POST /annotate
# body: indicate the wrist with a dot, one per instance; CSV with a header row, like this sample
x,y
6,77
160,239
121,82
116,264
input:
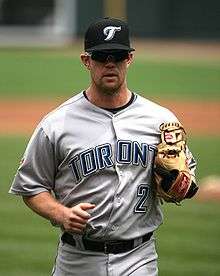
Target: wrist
x,y
59,215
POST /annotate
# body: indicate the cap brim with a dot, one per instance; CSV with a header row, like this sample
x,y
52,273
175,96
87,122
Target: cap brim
x,y
110,46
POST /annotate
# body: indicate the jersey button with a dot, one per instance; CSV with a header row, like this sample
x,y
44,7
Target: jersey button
x,y
114,227
118,200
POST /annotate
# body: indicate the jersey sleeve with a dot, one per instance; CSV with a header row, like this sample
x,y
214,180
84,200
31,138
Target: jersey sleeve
x,y
191,163
37,170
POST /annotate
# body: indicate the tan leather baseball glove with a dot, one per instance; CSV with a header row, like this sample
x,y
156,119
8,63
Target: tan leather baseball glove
x,y
174,181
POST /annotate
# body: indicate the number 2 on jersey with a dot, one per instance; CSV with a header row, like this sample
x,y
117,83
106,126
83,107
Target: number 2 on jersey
x,y
143,194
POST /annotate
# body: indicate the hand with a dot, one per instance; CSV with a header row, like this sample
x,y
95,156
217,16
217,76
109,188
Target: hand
x,y
76,218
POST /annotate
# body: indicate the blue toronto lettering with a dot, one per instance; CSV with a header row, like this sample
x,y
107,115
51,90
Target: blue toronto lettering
x,y
124,153
101,157
88,162
104,154
140,154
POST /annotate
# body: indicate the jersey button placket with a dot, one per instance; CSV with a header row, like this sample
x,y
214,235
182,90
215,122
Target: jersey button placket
x,y
114,227
118,171
117,199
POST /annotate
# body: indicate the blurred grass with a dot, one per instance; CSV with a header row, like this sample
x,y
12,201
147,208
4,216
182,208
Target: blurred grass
x,y
27,242
188,242
59,73
206,151
35,74
175,80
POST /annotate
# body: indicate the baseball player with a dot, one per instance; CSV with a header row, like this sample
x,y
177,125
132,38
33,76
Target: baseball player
x,y
88,167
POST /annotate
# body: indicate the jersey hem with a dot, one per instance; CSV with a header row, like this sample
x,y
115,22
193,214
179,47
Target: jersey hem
x,y
23,193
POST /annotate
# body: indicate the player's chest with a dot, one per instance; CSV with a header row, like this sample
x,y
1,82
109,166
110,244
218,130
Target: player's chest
x,y
115,136
106,145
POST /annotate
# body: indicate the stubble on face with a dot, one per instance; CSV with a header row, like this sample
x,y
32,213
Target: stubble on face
x,y
109,81
109,87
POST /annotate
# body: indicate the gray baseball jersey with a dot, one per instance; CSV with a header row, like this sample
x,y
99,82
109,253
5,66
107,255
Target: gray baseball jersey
x,y
84,153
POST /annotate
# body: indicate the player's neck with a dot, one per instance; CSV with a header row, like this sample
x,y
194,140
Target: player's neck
x,y
109,100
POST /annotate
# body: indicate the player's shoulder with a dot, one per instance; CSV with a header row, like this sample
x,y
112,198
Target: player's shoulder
x,y
56,117
71,102
150,107
61,109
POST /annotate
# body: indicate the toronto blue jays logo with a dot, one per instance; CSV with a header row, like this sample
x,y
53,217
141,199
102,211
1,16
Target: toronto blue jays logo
x,y
101,157
110,31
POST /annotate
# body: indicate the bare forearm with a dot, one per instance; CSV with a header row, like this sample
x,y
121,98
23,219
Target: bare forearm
x,y
46,206
72,219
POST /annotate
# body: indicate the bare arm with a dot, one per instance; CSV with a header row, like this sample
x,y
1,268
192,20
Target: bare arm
x,y
72,219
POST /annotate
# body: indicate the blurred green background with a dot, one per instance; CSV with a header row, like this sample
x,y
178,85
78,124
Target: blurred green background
x,y
51,73
188,241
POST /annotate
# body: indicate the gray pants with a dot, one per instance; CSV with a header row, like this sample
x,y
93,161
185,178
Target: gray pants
x,y
72,261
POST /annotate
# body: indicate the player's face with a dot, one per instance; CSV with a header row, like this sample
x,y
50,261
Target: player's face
x,y
108,71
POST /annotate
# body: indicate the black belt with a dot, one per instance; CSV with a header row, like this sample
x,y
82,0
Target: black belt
x,y
113,247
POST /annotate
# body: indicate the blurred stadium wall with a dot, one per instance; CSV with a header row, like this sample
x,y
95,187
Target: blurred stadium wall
x,y
55,22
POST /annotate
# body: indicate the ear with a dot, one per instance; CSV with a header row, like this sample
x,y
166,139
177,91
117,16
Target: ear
x,y
130,59
85,60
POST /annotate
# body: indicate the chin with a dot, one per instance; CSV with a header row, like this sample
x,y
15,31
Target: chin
x,y
110,89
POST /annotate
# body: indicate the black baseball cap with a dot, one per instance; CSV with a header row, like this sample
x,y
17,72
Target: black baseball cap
x,y
107,34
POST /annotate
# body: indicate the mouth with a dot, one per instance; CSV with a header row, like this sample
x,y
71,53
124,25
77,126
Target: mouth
x,y
110,75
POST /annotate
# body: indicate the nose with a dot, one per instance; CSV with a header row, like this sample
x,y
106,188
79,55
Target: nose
x,y
110,61
110,58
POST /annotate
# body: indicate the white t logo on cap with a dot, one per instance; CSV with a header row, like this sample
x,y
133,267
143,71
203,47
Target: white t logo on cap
x,y
110,31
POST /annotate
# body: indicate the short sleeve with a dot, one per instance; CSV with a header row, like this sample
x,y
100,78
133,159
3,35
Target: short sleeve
x,y
37,170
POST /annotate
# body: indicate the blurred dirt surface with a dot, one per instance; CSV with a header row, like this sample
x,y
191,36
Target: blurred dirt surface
x,y
209,189
21,117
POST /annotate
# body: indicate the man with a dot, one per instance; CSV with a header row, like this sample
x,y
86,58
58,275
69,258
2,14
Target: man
x,y
88,166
